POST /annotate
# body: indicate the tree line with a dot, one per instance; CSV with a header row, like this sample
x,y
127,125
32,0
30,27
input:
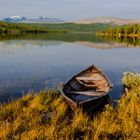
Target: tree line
x,y
20,28
124,30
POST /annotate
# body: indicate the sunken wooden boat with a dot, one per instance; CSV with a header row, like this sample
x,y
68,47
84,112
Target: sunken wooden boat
x,y
86,89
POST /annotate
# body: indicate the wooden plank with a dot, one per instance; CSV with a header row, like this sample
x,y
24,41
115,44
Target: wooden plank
x,y
87,93
89,78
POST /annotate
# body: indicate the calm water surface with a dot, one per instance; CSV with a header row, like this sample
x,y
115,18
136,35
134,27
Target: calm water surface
x,y
33,65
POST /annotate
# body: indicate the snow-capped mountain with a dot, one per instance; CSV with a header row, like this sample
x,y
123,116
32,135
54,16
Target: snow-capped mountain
x,y
39,19
14,19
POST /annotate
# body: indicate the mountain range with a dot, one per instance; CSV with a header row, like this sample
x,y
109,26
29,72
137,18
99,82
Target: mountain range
x,y
103,20
39,19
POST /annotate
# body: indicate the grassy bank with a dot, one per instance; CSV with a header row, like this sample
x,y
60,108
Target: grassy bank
x,y
47,116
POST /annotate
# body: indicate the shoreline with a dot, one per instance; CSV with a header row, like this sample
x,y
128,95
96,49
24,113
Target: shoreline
x,y
46,115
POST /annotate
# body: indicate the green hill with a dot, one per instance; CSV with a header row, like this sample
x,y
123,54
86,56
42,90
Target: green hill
x,y
20,28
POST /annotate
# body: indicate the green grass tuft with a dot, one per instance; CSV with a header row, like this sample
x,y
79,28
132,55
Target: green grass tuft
x,y
131,80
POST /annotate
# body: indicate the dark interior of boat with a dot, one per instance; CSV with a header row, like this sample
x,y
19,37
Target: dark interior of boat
x,y
80,92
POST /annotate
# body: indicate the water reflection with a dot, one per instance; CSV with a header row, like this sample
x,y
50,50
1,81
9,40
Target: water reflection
x,y
35,62
125,41
66,37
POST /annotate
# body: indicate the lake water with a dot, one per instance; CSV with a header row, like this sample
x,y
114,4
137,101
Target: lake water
x,y
33,63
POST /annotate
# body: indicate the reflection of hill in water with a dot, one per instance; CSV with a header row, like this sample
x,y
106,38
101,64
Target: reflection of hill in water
x,y
108,45
125,41
75,37
67,37
11,43
11,46
28,43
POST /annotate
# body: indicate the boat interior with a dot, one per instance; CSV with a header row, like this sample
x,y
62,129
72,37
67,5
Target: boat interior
x,y
89,84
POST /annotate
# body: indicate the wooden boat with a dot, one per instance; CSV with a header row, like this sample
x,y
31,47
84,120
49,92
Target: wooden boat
x,y
86,89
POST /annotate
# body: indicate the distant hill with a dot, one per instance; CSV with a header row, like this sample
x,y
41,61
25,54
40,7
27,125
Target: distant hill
x,y
108,20
40,19
43,20
101,20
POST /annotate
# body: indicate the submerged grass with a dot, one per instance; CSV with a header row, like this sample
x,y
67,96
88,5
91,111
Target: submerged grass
x,y
47,116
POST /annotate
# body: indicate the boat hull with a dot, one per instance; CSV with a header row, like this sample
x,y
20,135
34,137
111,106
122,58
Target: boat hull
x,y
88,101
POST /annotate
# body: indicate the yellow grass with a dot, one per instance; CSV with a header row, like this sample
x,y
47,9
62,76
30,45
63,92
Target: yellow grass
x,y
46,116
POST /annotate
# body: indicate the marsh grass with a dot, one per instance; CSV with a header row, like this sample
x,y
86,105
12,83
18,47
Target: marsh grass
x,y
131,80
47,116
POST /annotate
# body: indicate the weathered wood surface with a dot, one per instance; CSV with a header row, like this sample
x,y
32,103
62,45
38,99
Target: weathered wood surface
x,y
87,93
90,78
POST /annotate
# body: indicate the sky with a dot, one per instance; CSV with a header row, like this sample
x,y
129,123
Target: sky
x,y
71,9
